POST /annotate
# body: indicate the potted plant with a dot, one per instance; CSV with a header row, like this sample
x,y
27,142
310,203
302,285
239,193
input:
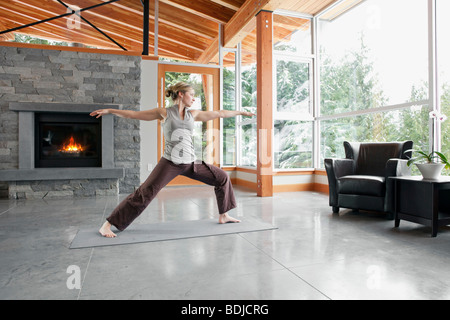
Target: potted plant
x,y
427,164
430,164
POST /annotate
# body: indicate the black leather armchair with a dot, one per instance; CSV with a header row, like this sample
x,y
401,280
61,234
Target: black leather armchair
x,y
361,180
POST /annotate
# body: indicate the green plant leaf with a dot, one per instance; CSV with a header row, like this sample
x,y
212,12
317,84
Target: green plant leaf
x,y
429,157
443,159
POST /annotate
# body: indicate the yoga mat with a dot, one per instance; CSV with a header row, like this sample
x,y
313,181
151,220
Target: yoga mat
x,y
172,230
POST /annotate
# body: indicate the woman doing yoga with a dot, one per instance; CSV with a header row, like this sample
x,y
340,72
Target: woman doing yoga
x,y
178,158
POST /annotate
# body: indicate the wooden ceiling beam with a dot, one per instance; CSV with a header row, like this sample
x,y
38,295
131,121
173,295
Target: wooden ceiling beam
x,y
290,22
203,8
311,7
231,4
179,38
4,26
45,7
236,29
169,51
33,31
187,21
211,54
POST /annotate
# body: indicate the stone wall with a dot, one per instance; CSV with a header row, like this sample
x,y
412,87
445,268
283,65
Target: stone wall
x,y
39,75
62,188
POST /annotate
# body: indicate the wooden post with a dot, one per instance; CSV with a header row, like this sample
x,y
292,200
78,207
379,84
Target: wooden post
x,y
264,103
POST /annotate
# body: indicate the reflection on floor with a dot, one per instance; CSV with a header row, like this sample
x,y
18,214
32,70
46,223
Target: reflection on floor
x,y
312,255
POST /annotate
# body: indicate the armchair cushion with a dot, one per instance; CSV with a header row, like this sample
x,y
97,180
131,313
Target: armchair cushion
x,y
362,185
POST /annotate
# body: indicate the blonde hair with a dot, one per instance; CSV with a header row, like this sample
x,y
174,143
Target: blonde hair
x,y
173,90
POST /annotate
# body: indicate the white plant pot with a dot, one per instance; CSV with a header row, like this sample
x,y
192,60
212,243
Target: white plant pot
x,y
430,171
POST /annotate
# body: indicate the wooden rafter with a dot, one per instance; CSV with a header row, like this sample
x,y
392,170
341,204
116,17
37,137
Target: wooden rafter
x,y
237,28
204,8
231,4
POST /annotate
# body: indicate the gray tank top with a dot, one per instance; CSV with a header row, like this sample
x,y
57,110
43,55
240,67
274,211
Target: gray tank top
x,y
179,146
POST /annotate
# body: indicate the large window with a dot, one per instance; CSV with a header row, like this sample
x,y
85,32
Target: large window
x,y
443,62
404,124
374,74
293,92
373,55
293,107
364,77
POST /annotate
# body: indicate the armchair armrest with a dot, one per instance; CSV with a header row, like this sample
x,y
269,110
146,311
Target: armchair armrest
x,y
335,169
397,167
340,167
394,168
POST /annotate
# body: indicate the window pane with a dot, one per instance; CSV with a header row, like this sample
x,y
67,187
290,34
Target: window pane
x,y
399,125
443,51
374,55
248,80
293,86
248,102
229,103
292,34
292,144
248,145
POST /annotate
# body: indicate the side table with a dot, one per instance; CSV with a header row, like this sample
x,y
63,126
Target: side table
x,y
422,201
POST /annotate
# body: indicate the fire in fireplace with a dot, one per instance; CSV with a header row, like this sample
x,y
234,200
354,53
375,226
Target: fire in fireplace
x,y
71,147
67,140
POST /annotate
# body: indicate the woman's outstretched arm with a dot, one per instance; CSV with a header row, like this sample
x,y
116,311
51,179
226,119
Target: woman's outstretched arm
x,y
147,115
211,115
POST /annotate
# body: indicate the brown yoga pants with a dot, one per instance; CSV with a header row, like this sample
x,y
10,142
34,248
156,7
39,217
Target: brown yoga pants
x,y
132,206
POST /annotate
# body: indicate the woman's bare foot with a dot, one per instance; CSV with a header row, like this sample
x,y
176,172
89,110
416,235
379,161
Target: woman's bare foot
x,y
225,218
105,230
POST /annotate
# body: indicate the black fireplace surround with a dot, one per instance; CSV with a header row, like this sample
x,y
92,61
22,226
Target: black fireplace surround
x,y
67,140
94,160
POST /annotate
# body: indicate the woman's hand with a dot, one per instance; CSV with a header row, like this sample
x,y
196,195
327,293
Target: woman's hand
x,y
248,114
99,113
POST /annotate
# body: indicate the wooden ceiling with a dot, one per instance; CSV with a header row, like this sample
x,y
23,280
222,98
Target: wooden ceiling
x,y
187,30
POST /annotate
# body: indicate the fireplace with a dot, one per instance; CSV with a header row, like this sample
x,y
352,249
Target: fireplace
x,y
67,140
63,152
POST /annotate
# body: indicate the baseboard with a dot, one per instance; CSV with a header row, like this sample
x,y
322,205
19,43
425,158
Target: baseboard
x,y
317,187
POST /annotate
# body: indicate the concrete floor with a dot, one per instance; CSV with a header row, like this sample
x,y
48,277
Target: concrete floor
x,y
312,255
